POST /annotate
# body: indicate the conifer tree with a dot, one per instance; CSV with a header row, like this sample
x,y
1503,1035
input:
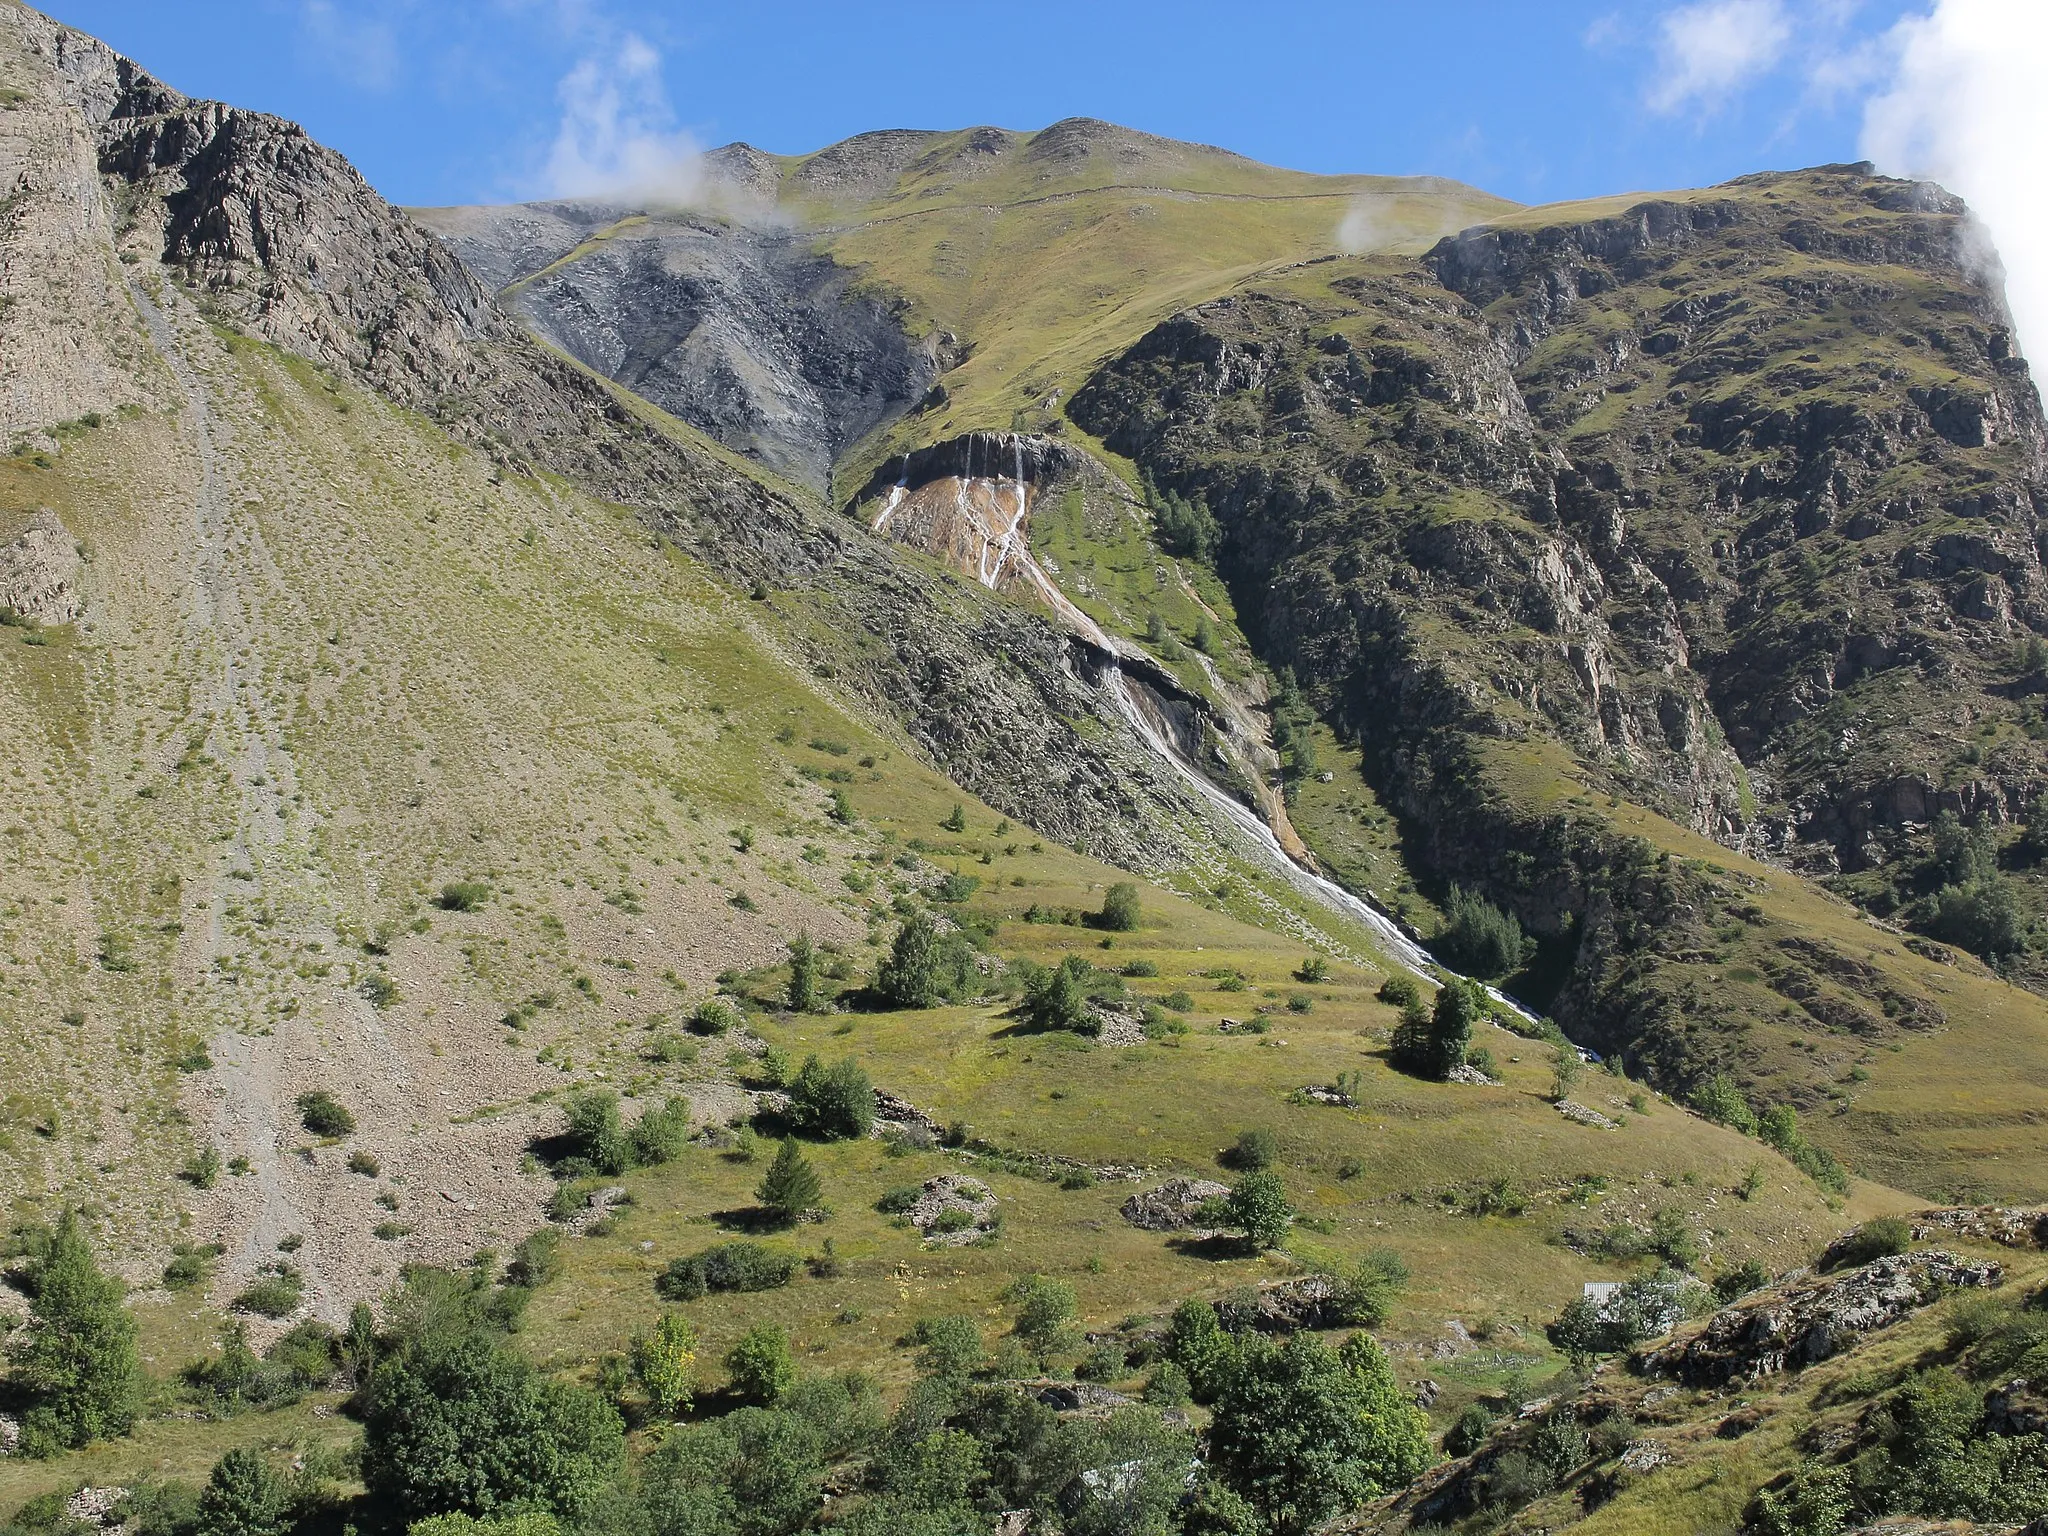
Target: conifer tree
x,y
803,974
791,1185
76,1361
909,978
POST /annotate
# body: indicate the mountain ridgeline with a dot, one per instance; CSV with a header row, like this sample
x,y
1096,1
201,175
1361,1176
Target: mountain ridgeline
x,y
1722,505
1038,672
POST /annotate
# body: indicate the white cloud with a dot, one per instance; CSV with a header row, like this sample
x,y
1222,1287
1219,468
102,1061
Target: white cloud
x,y
1967,106
1710,50
362,49
617,135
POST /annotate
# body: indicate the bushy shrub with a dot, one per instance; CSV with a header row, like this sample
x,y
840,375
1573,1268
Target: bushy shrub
x,y
1365,1293
1984,916
836,1103
716,1016
536,1259
324,1115
1045,1309
1876,1239
735,1266
1119,908
1184,527
470,1427
661,1133
463,896
1258,1207
1253,1151
1734,1283
1722,1102
1470,1430
595,1134
949,1346
1816,1500
1303,1432
759,1365
1056,997
276,1292
1398,991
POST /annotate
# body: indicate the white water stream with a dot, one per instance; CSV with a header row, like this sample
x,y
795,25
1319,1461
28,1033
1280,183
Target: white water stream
x,y
1397,945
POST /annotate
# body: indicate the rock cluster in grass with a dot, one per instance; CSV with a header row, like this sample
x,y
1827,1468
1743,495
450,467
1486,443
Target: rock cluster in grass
x,y
953,1192
1175,1206
2012,1226
901,1118
1801,1320
1584,1116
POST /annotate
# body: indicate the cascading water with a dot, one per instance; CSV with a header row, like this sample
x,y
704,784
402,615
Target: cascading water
x,y
1397,944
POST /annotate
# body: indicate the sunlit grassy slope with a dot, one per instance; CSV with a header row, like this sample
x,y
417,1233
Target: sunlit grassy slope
x,y
1044,253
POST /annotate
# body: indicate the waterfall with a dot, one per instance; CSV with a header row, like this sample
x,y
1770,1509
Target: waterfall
x,y
1402,949
1264,844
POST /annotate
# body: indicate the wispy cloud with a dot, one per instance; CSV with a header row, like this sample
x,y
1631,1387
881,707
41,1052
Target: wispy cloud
x,y
618,135
356,44
1710,51
1965,106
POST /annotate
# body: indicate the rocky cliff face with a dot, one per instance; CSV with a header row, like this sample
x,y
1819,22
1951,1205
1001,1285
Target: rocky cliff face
x,y
1802,409
737,328
1727,507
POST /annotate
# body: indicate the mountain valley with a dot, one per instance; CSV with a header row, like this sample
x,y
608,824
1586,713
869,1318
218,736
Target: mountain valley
x,y
1056,686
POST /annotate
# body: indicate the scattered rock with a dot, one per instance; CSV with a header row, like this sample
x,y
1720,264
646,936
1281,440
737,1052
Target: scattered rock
x,y
1801,1321
1585,1116
1119,1028
2010,1226
1465,1072
39,572
953,1192
1174,1206
96,1506
1644,1456
904,1118
596,1209
1426,1392
1082,1398
1285,1306
1011,1522
1317,1093
10,1434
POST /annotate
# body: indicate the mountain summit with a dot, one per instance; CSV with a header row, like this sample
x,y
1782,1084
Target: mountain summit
x,y
1043,672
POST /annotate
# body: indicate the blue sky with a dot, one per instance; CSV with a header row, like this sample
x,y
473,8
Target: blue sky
x,y
442,101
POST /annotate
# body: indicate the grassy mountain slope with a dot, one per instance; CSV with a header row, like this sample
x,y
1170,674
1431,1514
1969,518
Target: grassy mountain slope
x,y
1544,560
1023,259
444,726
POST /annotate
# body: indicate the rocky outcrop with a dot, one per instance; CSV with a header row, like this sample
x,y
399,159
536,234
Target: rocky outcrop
x,y
1175,1206
1803,1321
953,1209
740,329
39,573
